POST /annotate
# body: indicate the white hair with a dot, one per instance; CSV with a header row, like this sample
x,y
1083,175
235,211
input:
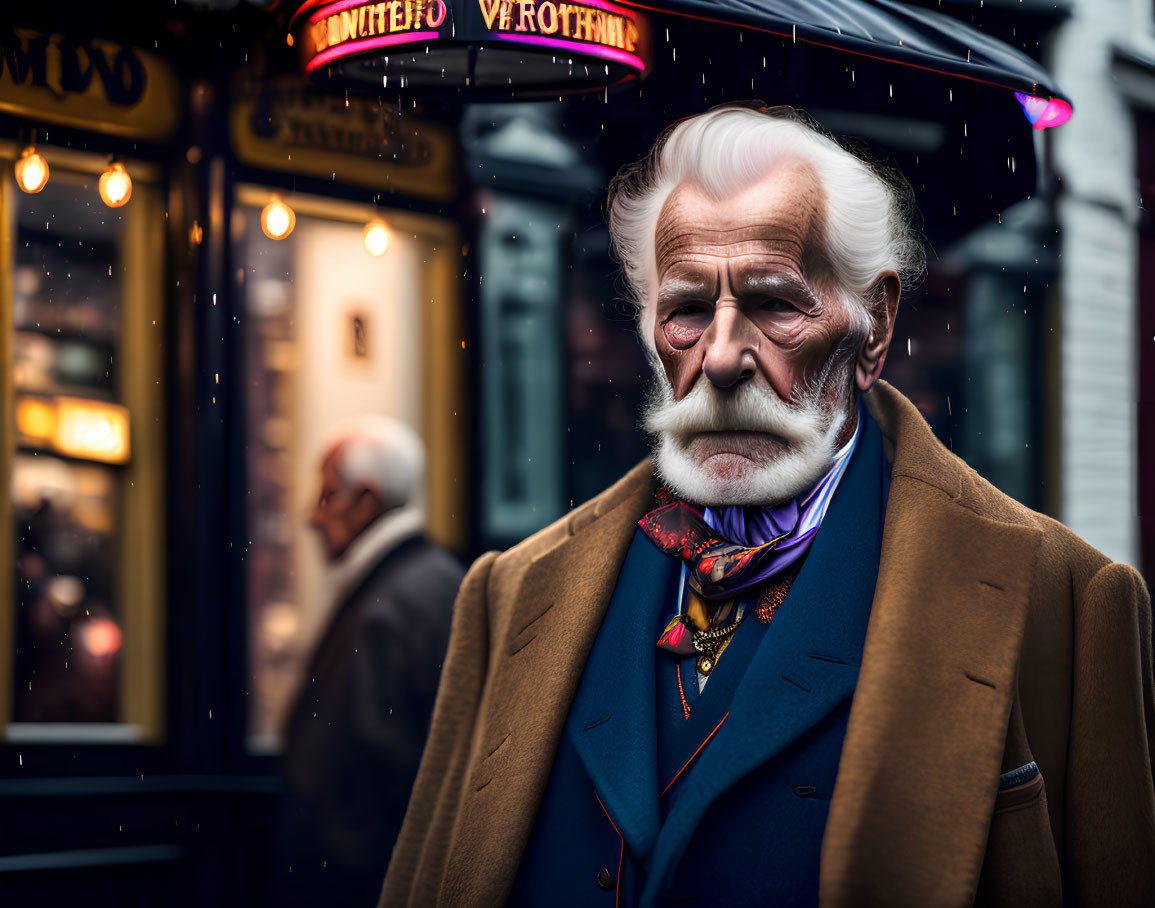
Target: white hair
x,y
869,223
383,454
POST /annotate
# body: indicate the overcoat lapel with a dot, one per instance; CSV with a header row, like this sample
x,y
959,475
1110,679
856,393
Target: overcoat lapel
x,y
536,663
613,724
920,763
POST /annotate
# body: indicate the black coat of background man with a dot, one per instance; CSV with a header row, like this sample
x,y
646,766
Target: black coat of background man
x,y
355,735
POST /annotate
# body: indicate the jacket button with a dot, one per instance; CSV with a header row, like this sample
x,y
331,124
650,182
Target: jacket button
x,y
605,879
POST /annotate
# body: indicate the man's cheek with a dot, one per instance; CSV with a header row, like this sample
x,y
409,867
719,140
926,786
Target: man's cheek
x,y
682,368
804,361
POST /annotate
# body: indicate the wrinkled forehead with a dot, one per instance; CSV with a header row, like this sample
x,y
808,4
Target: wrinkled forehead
x,y
777,219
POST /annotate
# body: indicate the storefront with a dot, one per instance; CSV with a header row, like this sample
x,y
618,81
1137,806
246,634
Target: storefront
x,y
82,630
178,362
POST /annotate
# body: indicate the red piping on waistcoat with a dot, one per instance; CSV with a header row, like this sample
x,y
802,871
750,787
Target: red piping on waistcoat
x,y
621,853
692,756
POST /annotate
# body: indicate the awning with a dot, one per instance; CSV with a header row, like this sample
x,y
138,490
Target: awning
x,y
880,30
526,47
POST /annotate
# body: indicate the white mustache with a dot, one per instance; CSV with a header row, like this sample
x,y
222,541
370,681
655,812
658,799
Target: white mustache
x,y
747,408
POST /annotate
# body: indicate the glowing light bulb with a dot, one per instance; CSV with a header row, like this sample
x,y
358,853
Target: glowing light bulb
x,y
277,219
376,237
115,185
31,170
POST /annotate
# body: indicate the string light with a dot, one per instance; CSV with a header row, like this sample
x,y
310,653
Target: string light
x,y
31,170
115,186
277,219
376,237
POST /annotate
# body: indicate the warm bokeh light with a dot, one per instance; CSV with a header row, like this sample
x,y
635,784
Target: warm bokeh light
x,y
31,170
115,185
101,636
376,237
92,430
36,418
277,219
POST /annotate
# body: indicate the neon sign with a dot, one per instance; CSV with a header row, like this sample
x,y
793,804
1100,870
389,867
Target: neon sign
x,y
525,43
590,26
349,27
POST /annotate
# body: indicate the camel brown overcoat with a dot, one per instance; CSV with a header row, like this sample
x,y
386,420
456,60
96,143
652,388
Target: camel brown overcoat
x,y
996,637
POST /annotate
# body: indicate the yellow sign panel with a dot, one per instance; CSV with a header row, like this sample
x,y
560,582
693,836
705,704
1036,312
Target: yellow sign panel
x,y
288,126
75,427
91,429
87,83
36,419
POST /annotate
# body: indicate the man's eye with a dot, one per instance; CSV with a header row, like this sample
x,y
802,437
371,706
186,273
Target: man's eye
x,y
775,305
684,325
689,311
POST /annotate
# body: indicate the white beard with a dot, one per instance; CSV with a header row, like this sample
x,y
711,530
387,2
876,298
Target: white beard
x,y
808,431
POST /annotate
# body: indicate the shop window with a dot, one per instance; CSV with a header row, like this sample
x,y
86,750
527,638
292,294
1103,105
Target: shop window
x,y
523,462
84,459
331,332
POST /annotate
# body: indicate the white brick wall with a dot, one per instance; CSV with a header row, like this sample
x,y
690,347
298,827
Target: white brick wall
x,y
1094,155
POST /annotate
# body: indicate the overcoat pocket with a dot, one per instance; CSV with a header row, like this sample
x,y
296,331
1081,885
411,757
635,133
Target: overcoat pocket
x,y
1019,796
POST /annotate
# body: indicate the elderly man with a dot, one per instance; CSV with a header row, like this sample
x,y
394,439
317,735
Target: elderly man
x,y
805,655
355,736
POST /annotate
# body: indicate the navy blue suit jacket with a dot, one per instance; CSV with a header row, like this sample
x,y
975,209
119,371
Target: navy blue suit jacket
x,y
744,815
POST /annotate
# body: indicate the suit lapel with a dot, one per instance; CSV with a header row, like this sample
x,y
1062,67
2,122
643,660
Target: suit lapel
x,y
613,722
923,749
808,660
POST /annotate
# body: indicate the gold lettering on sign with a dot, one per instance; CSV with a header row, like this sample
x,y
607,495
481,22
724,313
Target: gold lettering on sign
x,y
573,20
489,11
372,19
547,20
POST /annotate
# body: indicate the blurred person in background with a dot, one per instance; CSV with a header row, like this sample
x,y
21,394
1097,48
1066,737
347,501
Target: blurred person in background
x,y
355,734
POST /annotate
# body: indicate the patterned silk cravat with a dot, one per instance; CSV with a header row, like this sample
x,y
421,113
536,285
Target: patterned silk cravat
x,y
718,570
731,552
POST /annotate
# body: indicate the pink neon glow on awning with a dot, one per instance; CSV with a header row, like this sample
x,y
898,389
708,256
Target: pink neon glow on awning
x,y
577,47
349,48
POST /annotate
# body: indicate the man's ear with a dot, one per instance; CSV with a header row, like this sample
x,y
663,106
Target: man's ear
x,y
368,505
883,297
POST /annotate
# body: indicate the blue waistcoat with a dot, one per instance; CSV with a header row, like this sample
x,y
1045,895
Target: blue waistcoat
x,y
647,807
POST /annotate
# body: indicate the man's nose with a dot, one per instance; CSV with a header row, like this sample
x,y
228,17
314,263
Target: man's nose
x,y
730,342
